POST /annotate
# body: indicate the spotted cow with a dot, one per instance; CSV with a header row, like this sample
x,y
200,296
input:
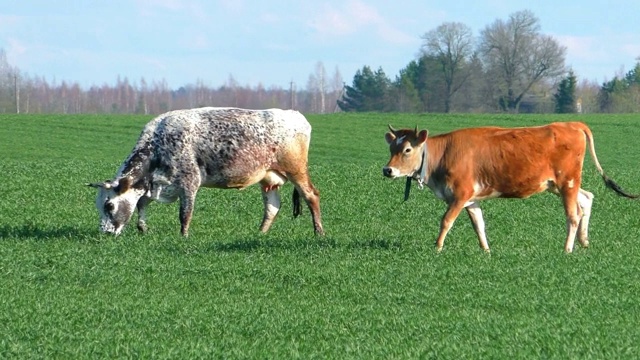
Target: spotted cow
x,y
180,151
468,165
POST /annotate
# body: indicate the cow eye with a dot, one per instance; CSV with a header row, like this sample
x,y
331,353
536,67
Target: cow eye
x,y
407,150
108,206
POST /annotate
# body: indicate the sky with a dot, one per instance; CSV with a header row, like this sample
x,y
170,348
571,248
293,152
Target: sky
x,y
276,42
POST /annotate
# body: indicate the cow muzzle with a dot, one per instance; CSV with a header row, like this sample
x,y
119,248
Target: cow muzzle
x,y
390,172
109,228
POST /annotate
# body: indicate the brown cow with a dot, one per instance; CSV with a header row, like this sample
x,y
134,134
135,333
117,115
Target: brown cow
x,y
468,165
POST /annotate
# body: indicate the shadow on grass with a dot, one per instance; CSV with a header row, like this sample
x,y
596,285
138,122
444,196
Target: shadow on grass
x,y
244,245
278,245
240,246
377,244
272,244
41,232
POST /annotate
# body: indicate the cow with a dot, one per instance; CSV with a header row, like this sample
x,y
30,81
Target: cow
x,y
465,166
229,148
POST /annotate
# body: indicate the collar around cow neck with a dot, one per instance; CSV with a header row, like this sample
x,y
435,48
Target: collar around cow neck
x,y
423,174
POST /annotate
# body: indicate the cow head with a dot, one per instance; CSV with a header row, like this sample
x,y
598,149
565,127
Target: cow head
x,y
406,147
116,203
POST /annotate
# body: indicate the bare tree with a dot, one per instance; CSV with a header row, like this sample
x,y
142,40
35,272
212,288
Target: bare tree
x,y
17,92
317,85
312,89
452,44
337,86
143,105
520,56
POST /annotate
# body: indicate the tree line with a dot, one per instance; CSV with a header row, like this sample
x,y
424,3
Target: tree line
x,y
511,67
20,93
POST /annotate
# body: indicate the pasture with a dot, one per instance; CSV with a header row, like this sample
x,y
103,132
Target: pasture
x,y
373,287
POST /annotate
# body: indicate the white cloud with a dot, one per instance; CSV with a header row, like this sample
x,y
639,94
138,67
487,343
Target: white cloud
x,y
270,18
632,50
192,8
272,46
7,22
354,17
197,42
331,22
583,47
16,48
163,4
363,13
600,57
232,5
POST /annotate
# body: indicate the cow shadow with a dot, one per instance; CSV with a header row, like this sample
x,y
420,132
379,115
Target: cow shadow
x,y
258,244
375,244
244,245
41,232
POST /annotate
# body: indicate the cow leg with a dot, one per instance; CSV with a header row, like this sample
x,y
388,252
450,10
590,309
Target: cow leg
x,y
447,221
271,199
574,214
585,200
311,196
142,217
189,183
475,214
187,202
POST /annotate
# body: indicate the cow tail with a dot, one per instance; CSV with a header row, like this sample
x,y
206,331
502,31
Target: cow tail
x,y
608,182
297,209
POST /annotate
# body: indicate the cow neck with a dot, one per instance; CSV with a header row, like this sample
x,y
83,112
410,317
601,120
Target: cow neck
x,y
423,173
137,164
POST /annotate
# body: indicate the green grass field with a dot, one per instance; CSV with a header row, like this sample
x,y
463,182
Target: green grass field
x,y
373,287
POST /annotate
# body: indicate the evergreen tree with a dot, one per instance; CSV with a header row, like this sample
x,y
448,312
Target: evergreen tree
x,y
621,94
609,91
352,98
565,97
415,75
368,92
633,76
404,97
431,84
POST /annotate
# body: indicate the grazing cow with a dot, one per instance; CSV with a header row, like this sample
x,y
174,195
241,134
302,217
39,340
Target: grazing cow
x,y
180,151
468,165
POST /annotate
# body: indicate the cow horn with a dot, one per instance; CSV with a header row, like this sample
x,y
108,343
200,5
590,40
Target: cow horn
x,y
416,129
392,129
95,185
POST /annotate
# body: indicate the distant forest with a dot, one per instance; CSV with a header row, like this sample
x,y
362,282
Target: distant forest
x,y
510,67
20,93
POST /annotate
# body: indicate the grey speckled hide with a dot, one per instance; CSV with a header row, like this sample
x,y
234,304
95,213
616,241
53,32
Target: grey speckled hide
x,y
180,151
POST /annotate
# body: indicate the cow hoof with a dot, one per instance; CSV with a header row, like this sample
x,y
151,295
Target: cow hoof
x,y
142,228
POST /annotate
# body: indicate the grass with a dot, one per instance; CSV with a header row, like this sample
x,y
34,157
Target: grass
x,y
373,287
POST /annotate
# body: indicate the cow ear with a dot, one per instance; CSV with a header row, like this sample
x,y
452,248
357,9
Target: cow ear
x,y
123,185
422,136
390,137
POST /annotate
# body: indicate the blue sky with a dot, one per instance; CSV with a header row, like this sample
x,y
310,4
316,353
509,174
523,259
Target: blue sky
x,y
275,42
